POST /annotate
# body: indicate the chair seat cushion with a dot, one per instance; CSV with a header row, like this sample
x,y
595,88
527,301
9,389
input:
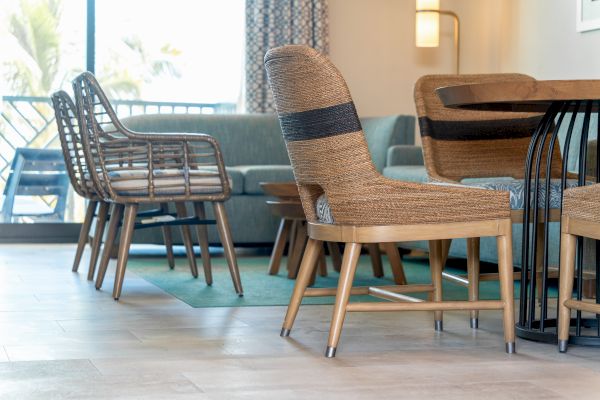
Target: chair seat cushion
x,y
134,182
516,188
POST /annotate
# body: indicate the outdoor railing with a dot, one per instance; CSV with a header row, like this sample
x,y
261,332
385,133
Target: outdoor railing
x,y
29,121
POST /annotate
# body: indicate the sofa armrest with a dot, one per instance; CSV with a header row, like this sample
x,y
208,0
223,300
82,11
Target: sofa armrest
x,y
402,154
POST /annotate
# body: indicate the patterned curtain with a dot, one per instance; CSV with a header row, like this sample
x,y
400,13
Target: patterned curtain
x,y
272,23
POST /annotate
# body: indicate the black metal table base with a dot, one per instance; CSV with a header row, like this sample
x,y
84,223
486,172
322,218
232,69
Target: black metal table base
x,y
539,323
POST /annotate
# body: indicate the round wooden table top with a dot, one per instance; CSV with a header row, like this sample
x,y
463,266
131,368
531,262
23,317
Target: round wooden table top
x,y
534,96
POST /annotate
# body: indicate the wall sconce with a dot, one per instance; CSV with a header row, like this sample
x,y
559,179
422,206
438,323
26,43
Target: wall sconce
x,y
427,26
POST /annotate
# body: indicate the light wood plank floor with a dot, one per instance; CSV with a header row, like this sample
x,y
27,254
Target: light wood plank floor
x,y
60,338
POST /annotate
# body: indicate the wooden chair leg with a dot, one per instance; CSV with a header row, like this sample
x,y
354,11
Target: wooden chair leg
x,y
279,246
113,227
436,258
306,268
376,263
84,233
336,257
97,242
202,232
473,276
292,245
125,243
168,240
226,240
187,239
395,263
349,262
322,263
567,275
505,271
446,243
295,259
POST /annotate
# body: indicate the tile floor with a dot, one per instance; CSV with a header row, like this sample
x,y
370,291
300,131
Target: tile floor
x,y
60,338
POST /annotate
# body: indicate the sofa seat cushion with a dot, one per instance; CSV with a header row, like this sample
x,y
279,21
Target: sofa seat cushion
x,y
516,188
255,174
134,182
410,173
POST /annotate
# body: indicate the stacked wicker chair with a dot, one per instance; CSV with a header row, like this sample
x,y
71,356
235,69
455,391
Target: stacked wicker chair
x,y
130,169
580,217
81,181
330,158
464,144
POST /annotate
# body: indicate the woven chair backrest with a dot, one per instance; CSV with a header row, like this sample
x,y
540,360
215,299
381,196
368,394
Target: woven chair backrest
x,y
324,137
71,143
460,144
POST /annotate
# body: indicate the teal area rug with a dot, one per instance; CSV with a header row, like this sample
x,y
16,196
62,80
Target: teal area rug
x,y
261,289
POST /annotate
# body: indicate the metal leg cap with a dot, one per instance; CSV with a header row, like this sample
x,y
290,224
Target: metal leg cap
x,y
511,348
439,326
116,299
562,345
330,352
285,332
240,294
474,323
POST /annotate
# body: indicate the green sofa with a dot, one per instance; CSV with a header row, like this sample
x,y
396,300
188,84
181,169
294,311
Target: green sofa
x,y
254,152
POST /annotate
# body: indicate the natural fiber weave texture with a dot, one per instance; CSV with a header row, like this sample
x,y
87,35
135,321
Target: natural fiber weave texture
x,y
115,153
69,134
339,164
460,144
582,203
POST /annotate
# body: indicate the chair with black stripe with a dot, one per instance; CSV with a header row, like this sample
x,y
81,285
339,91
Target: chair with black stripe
x,y
332,163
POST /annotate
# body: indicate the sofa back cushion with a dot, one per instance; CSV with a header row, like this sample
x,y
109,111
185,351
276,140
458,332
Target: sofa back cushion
x,y
255,139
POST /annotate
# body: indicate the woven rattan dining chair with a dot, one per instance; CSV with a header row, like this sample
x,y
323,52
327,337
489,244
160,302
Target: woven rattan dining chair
x,y
72,147
580,217
470,144
133,168
330,157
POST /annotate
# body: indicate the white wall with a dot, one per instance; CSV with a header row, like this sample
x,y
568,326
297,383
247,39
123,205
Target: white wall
x,y
372,43
543,42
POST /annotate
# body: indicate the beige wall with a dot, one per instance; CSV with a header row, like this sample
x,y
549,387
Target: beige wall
x,y
372,43
544,43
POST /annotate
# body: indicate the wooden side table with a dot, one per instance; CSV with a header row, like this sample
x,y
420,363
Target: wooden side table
x,y
292,226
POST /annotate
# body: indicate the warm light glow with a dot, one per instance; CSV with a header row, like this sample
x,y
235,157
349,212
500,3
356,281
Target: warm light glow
x,y
427,28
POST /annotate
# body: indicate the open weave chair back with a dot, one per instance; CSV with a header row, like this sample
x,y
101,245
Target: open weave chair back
x,y
131,166
71,144
460,144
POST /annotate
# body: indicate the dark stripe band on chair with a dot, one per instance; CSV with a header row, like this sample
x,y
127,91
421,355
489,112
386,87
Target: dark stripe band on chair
x,y
478,130
320,123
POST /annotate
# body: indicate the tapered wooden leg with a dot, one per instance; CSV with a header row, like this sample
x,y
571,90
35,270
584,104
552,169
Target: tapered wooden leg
x,y
395,263
292,247
168,240
539,265
187,239
322,263
473,276
446,243
226,240
113,228
97,242
279,246
125,243
84,233
567,275
299,244
376,263
507,295
309,261
336,257
436,265
349,262
202,232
